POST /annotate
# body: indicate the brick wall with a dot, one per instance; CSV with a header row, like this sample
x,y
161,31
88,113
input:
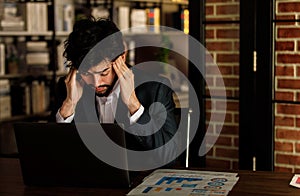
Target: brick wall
x,y
287,87
222,42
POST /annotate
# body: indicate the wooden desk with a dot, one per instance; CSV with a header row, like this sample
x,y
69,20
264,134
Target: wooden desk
x,y
250,183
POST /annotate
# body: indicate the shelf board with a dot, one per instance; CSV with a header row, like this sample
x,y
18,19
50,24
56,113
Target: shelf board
x,y
34,74
62,33
181,2
25,33
175,32
25,117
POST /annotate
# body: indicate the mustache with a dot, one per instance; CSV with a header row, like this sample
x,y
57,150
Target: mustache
x,y
104,85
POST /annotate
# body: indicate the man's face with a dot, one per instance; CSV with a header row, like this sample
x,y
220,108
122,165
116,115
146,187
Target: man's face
x,y
101,78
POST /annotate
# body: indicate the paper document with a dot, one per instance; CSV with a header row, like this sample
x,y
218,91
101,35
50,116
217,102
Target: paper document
x,y
295,181
186,182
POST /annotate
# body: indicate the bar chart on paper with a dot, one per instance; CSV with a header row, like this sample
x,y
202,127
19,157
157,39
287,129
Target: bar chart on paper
x,y
186,182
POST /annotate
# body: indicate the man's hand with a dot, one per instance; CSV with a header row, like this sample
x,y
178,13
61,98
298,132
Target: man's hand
x,y
126,78
74,93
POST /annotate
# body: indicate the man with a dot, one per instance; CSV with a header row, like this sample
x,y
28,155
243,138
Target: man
x,y
100,80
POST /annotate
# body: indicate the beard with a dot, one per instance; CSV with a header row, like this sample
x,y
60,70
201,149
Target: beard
x,y
107,91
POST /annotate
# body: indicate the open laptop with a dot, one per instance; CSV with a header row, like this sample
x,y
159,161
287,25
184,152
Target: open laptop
x,y
53,154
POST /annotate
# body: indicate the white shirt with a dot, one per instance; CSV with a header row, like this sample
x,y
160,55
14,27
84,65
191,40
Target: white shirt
x,y
107,107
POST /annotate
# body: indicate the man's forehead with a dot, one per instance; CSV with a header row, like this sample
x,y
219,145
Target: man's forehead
x,y
104,64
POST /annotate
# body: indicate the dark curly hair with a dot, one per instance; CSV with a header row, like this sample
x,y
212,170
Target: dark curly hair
x,y
101,35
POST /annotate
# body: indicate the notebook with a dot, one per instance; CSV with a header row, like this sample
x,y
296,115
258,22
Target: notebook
x,y
53,154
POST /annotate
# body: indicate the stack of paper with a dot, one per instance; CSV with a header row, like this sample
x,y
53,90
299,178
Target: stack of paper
x,y
295,181
186,182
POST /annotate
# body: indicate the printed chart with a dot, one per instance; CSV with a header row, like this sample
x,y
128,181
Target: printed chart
x,y
186,182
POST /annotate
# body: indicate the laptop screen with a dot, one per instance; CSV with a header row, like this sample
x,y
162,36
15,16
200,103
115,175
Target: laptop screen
x,y
53,154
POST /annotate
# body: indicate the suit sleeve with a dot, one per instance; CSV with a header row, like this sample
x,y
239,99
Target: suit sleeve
x,y
157,125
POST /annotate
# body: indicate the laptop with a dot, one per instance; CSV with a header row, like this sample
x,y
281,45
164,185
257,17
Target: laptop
x,y
53,154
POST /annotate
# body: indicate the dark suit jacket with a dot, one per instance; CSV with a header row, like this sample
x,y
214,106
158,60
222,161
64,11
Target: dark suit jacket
x,y
152,89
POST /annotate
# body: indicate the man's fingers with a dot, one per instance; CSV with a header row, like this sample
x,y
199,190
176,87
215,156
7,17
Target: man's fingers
x,y
71,75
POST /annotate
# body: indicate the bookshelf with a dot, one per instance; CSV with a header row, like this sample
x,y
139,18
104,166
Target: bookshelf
x,y
32,33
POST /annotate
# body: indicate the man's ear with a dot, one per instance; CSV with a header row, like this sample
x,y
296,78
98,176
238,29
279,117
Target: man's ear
x,y
123,56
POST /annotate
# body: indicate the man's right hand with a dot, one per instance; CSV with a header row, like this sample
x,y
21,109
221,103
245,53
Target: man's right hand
x,y
74,93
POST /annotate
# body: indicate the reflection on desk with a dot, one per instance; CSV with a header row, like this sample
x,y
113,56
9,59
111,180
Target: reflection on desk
x,y
250,183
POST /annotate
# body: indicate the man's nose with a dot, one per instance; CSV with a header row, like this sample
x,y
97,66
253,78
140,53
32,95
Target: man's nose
x,y
97,79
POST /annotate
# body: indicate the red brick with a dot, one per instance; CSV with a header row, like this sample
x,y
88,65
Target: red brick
x,y
236,142
284,121
285,17
293,109
209,81
285,96
288,159
283,169
298,70
288,83
288,33
228,129
284,146
209,34
226,152
297,96
284,71
215,163
287,134
218,117
228,10
218,92
230,105
288,7
236,70
224,70
228,33
288,58
236,118
298,122
228,82
224,141
227,58
208,104
297,146
209,10
285,46
219,46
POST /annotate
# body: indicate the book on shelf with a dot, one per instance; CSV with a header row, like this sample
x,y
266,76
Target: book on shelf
x,y
184,18
138,19
37,16
37,56
39,97
2,59
5,99
122,19
12,19
153,19
69,16
100,12
5,106
64,11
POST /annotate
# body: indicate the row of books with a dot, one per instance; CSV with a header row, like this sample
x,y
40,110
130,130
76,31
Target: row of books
x,y
33,16
23,98
30,16
143,20
24,57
